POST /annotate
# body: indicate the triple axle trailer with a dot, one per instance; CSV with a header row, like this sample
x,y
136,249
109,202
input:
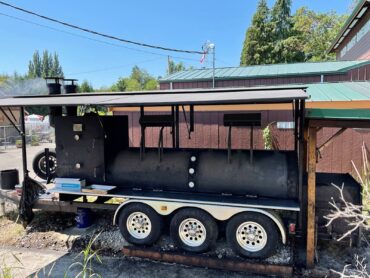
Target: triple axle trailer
x,y
256,198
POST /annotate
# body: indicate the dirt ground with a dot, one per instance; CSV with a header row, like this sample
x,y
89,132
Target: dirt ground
x,y
54,240
56,232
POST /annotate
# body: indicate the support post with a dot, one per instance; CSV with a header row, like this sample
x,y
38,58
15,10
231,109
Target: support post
x,y
311,197
24,151
173,126
177,128
300,125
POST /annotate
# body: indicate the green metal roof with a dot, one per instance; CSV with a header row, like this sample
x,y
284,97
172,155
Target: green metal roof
x,y
261,71
342,91
344,114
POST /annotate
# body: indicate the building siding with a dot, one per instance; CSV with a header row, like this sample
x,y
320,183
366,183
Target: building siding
x,y
361,50
211,133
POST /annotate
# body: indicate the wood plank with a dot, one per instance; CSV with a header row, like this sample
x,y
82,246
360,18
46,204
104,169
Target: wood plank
x,y
209,262
311,195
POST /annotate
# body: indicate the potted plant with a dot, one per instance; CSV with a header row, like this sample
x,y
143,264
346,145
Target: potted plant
x,y
18,143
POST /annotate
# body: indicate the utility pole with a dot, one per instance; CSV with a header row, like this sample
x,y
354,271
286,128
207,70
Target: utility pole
x,y
213,47
206,48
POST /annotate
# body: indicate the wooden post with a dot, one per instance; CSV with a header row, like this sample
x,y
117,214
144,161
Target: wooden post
x,y
311,196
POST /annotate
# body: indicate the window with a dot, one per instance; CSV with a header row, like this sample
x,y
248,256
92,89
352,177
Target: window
x,y
285,125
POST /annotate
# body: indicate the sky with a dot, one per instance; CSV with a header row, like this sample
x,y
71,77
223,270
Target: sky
x,y
184,24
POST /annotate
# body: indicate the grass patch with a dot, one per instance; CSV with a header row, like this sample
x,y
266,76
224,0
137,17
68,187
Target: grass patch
x,y
10,231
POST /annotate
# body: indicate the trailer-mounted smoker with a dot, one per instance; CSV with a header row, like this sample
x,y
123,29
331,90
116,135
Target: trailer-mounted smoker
x,y
257,194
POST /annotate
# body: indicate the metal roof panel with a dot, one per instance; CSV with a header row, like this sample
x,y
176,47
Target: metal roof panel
x,y
262,71
164,98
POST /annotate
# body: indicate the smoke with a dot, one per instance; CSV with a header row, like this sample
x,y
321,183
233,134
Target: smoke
x,y
22,87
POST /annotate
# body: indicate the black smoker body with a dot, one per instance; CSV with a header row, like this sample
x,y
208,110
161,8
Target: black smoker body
x,y
96,149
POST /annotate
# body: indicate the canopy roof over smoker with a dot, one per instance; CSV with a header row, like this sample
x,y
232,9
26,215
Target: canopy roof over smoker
x,y
164,98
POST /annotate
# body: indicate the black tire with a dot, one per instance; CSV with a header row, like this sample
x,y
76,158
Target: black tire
x,y
153,231
271,240
39,166
201,217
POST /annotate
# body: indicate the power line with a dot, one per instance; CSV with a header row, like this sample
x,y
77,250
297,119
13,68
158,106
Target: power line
x,y
98,33
93,39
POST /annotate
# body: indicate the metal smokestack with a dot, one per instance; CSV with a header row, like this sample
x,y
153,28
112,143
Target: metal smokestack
x,y
54,87
71,89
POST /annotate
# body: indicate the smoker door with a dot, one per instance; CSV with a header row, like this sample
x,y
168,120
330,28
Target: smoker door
x,y
80,148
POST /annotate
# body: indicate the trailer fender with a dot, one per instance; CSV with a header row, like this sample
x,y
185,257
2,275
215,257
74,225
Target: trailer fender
x,y
219,212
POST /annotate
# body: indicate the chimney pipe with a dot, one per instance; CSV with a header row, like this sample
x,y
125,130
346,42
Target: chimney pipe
x,y
54,87
71,89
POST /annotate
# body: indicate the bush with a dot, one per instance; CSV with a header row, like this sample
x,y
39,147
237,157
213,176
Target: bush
x,y
35,140
18,143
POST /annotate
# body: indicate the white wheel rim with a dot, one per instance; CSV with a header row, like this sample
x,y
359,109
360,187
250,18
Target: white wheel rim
x,y
42,164
192,232
251,236
138,225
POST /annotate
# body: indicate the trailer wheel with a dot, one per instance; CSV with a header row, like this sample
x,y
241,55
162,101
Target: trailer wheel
x,y
252,235
140,224
193,230
39,164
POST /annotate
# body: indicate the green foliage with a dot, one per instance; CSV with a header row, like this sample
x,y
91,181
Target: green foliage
x,y
47,66
3,78
257,45
85,87
316,32
281,19
175,67
18,143
139,79
151,84
7,271
88,256
132,85
278,37
35,141
267,138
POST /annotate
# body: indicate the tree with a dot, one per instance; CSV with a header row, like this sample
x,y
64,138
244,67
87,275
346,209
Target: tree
x,y
132,85
119,86
3,78
56,69
278,37
140,75
85,87
35,66
139,79
281,19
47,66
257,43
151,84
173,67
286,41
316,32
